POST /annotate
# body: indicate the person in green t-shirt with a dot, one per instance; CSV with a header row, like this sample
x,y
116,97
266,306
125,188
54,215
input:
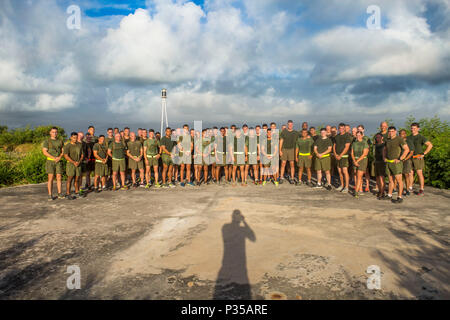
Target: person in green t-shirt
x,y
359,152
117,151
341,150
73,152
135,152
269,154
419,142
185,145
322,149
303,151
52,148
151,156
238,153
379,164
221,155
395,152
288,138
101,163
369,159
167,147
408,172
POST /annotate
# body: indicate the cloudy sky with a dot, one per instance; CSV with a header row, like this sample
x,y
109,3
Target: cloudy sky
x,y
222,61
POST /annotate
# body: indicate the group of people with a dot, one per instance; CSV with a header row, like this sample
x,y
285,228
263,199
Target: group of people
x,y
261,154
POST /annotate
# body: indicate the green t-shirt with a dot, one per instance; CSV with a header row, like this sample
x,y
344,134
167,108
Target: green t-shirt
x,y
394,147
152,146
108,141
118,150
358,148
378,151
418,141
323,144
134,148
168,143
205,145
289,138
304,145
410,144
54,147
74,151
341,141
101,149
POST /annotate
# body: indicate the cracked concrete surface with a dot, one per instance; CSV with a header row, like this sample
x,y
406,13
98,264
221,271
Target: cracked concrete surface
x,y
299,243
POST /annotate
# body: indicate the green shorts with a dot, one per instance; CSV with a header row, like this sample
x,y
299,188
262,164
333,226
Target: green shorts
x,y
73,171
51,167
152,160
407,166
119,165
166,159
380,169
304,162
101,169
394,168
133,165
323,164
239,159
419,164
223,163
343,163
362,165
288,155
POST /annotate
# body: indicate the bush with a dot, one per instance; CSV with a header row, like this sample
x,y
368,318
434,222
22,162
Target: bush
x,y
9,173
32,167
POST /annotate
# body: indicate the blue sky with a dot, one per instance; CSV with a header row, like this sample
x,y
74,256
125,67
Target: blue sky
x,y
223,61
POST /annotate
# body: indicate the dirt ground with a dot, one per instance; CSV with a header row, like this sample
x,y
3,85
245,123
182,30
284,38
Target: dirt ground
x,y
183,243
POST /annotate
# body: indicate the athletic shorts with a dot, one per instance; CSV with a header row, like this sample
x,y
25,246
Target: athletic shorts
x,y
419,164
101,169
152,160
239,160
119,165
395,168
166,159
407,166
133,165
323,164
224,160
73,171
380,169
304,162
362,165
51,167
288,155
343,163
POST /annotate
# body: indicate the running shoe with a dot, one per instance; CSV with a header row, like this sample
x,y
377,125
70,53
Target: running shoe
x,y
61,196
420,193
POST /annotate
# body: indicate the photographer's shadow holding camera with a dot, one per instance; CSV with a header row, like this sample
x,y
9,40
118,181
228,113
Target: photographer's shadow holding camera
x,y
232,282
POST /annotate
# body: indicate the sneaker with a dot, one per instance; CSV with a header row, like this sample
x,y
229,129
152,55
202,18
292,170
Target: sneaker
x,y
291,181
165,185
172,185
318,186
264,182
97,190
81,194
191,184
104,188
51,198
328,187
339,189
356,195
344,190
261,182
276,183
367,190
398,200
394,192
124,188
309,184
182,184
299,183
69,197
157,185
147,186
420,193
280,181
61,196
